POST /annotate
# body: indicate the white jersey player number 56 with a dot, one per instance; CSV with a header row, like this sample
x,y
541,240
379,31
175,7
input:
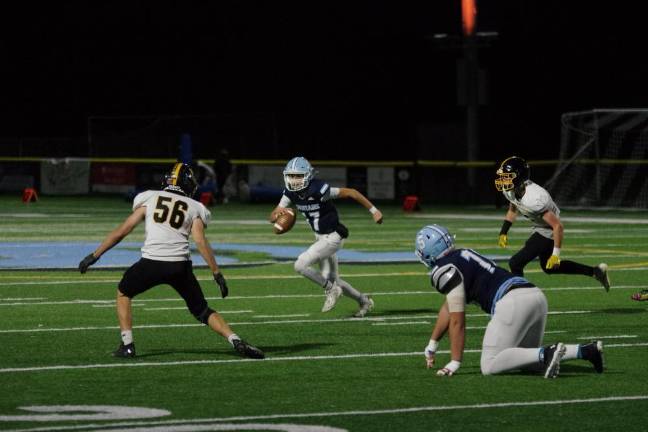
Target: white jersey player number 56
x,y
177,213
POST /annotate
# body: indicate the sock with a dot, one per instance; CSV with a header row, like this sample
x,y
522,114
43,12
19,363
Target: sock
x,y
231,338
349,291
127,337
572,352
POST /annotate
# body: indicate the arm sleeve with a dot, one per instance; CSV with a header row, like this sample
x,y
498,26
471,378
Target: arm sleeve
x,y
456,299
285,201
333,193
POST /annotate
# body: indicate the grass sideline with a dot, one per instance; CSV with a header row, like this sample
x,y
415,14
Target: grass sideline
x,y
58,327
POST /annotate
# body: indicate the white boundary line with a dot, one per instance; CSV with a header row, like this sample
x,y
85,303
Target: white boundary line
x,y
245,360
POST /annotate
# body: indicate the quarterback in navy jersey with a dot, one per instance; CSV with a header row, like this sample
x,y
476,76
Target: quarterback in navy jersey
x,y
534,203
312,197
170,216
518,309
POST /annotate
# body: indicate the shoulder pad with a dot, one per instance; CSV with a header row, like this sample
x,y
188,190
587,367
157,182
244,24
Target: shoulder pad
x,y
141,198
446,277
539,199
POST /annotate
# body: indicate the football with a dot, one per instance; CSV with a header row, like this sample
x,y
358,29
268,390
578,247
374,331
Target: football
x,y
284,222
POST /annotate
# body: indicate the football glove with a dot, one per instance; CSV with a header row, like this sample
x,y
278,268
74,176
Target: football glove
x,y
430,353
502,241
553,262
87,262
222,284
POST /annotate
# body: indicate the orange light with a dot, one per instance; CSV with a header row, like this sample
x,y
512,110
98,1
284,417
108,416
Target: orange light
x,y
468,16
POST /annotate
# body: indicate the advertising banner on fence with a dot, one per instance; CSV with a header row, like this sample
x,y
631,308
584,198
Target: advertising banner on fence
x,y
65,176
113,177
380,183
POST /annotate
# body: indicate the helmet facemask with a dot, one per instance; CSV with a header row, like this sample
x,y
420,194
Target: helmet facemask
x,y
505,181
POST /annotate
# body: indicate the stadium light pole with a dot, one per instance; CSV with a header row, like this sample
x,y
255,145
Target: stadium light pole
x,y
471,76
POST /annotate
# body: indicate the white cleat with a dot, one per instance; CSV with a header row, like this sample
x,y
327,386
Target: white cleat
x,y
332,296
364,308
557,352
600,273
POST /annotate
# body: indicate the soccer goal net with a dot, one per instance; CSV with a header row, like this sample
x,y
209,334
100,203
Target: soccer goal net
x,y
603,159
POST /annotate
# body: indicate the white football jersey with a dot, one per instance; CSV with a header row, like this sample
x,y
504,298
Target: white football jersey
x,y
169,217
533,205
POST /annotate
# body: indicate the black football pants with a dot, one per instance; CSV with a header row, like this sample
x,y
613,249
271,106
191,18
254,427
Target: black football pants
x,y
542,247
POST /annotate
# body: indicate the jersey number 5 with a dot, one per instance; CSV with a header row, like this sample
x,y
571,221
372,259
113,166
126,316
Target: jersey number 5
x,y
177,213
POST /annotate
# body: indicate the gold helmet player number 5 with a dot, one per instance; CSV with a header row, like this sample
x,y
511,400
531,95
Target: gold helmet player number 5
x,y
512,174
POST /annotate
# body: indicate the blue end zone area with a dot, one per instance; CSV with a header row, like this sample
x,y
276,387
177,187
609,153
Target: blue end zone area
x,y
64,255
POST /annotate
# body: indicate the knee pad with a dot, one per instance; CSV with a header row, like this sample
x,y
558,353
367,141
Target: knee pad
x,y
203,316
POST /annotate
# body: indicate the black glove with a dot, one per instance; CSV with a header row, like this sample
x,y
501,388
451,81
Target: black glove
x,y
87,262
220,280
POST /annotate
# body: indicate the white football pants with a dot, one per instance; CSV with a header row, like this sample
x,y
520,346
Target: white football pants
x,y
323,252
515,332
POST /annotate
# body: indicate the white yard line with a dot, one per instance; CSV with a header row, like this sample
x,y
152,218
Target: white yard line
x,y
609,337
596,220
368,319
430,291
130,364
282,316
185,308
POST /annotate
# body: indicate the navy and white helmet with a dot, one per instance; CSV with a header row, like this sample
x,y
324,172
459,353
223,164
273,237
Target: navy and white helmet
x,y
298,174
433,242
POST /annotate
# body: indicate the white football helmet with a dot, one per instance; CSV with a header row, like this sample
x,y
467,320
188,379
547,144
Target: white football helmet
x,y
298,174
433,242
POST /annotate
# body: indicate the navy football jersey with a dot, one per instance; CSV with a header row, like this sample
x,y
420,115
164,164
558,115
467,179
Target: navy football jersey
x,y
314,203
484,282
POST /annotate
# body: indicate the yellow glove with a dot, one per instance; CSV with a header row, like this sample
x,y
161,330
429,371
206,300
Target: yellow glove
x,y
503,240
553,262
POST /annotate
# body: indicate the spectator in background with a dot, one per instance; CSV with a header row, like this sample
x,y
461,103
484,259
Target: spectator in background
x,y
223,168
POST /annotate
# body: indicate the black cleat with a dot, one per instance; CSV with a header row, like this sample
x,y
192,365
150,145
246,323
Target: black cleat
x,y
125,351
593,352
552,355
247,350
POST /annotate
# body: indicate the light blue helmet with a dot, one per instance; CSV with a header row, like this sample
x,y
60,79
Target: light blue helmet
x,y
298,174
433,242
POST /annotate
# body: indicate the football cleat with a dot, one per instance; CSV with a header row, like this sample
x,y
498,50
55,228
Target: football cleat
x,y
247,350
552,356
365,307
600,273
593,352
125,351
332,296
640,296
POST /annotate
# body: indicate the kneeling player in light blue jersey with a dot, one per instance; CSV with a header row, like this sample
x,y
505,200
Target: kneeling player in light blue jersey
x,y
518,309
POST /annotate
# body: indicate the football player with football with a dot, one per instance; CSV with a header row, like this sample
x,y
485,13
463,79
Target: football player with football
x,y
534,202
170,215
313,198
518,310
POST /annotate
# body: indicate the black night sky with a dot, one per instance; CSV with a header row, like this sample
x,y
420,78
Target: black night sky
x,y
340,78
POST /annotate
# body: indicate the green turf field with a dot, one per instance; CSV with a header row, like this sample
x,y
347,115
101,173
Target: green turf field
x,y
324,372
